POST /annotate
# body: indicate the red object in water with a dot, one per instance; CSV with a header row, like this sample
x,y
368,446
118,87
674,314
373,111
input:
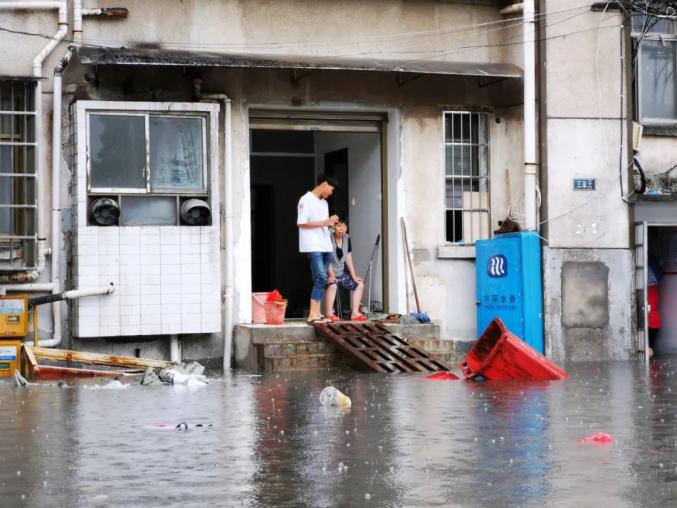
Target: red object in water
x,y
600,437
500,355
443,376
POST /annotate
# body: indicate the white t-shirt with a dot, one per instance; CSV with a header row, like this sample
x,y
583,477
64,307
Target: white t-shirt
x,y
313,209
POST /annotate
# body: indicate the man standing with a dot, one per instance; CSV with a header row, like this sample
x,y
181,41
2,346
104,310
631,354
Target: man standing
x,y
315,241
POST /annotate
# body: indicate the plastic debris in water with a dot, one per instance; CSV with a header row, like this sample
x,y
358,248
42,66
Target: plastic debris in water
x,y
600,438
442,376
330,396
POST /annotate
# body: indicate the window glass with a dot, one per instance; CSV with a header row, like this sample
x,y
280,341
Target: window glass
x,y
147,210
658,80
117,151
176,158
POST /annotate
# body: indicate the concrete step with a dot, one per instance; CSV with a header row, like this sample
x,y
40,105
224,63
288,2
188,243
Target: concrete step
x,y
300,362
281,350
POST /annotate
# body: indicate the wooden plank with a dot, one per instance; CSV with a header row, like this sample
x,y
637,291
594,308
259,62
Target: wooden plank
x,y
66,355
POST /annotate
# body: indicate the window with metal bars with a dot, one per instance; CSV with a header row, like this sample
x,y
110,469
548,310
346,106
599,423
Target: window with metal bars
x,y
466,164
18,205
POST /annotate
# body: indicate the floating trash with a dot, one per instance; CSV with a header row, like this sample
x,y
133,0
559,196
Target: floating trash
x,y
330,396
600,438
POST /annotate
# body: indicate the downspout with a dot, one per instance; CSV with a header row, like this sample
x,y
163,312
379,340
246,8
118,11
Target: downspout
x,y
529,36
56,195
228,219
60,6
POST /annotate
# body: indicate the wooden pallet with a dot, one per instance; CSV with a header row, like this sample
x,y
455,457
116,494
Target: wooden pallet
x,y
375,347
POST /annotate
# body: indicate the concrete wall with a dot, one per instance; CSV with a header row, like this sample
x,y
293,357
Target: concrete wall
x,y
588,264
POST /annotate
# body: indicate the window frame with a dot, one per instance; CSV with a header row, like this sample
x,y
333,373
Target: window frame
x,y
148,191
662,37
212,158
484,171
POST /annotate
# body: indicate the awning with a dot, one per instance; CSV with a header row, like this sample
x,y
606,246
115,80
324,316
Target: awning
x,y
167,57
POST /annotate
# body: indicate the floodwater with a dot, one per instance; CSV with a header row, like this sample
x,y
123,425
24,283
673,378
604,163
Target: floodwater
x,y
405,442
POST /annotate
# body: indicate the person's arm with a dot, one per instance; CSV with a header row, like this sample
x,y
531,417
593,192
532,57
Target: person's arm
x,y
320,224
351,268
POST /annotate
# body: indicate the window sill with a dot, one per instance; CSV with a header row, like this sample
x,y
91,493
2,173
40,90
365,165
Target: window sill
x,y
456,252
660,130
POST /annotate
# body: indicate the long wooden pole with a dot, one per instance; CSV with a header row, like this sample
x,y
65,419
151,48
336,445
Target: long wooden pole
x,y
411,266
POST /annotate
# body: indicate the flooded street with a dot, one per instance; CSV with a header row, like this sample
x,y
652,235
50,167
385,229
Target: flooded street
x,y
266,441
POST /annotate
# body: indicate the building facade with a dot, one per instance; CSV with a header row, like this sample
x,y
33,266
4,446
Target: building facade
x,y
162,147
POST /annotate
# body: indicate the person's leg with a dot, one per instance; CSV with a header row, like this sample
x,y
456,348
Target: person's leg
x,y
357,299
318,271
329,298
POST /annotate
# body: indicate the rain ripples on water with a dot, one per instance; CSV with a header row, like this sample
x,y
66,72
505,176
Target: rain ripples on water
x,y
266,441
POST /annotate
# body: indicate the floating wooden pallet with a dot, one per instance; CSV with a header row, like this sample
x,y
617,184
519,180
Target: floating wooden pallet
x,y
376,347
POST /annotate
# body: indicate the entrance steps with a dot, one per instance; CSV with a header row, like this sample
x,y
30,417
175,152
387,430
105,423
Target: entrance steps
x,y
296,346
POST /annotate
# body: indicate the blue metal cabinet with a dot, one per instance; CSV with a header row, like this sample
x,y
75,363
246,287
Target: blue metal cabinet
x,y
509,285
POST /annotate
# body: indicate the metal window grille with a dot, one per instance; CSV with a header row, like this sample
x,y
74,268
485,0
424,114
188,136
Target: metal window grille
x,y
466,149
18,198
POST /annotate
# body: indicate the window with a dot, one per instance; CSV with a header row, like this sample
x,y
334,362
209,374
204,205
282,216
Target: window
x,y
143,167
466,176
18,206
655,52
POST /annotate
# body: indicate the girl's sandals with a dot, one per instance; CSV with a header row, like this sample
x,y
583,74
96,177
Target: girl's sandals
x,y
333,318
361,317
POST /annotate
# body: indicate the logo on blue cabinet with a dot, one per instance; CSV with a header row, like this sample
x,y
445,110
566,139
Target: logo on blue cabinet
x,y
497,266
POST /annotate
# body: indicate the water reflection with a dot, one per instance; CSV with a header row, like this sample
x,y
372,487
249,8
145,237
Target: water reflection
x,y
405,442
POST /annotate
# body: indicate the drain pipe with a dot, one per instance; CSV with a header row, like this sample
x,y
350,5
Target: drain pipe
x,y
61,7
56,195
228,219
530,162
174,349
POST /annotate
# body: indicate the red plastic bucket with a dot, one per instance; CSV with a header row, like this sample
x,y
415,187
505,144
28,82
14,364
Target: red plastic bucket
x,y
500,355
275,313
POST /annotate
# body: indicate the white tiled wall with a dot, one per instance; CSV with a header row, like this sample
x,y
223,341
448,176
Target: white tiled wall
x,y
167,280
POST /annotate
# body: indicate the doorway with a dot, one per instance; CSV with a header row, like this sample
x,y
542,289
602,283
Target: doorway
x,y
660,288
286,156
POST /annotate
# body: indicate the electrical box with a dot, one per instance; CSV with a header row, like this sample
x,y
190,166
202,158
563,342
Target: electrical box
x,y
13,316
10,357
509,285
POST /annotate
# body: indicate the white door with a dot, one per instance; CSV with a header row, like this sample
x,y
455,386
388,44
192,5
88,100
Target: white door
x,y
641,262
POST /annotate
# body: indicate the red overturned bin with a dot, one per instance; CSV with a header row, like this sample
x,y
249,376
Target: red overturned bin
x,y
500,355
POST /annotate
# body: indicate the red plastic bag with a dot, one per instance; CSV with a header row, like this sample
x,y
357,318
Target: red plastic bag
x,y
599,438
274,296
443,376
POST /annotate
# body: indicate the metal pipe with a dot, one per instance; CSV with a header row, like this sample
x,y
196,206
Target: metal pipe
x,y
174,349
30,5
56,194
530,162
109,12
228,220
82,293
77,21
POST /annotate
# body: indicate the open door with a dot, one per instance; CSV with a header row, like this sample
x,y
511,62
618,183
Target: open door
x,y
641,262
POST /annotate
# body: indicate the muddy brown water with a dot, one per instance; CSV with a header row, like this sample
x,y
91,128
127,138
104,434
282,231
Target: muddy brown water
x,y
405,442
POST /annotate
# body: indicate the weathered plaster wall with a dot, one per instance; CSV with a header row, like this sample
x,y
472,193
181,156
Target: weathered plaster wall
x,y
587,232
589,305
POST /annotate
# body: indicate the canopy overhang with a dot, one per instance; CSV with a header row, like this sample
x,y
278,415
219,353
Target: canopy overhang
x,y
168,57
